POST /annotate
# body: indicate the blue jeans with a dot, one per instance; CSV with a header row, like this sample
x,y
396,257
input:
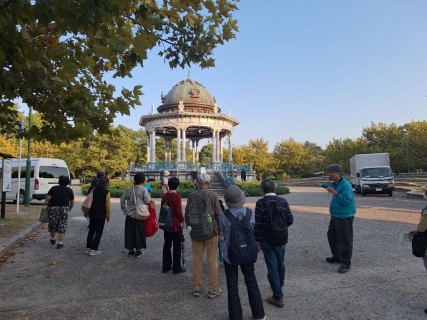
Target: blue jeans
x,y
255,301
275,260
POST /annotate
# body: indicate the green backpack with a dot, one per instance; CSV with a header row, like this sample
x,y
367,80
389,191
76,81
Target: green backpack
x,y
199,218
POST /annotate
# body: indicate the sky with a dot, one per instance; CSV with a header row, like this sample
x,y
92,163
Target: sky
x,y
309,70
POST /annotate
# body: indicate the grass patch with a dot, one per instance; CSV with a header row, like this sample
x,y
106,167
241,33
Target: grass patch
x,y
16,222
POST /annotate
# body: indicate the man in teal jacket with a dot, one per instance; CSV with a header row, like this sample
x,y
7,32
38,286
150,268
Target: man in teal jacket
x,y
342,209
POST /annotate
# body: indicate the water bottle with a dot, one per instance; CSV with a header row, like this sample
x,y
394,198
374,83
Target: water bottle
x,y
209,218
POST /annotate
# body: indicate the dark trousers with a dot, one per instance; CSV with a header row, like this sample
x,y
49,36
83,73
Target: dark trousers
x,y
255,301
172,238
340,237
96,228
135,234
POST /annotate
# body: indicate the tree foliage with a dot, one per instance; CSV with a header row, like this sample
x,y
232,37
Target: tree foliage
x,y
295,158
56,56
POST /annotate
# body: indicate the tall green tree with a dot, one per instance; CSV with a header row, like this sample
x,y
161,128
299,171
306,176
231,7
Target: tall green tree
x,y
340,151
55,55
263,161
295,158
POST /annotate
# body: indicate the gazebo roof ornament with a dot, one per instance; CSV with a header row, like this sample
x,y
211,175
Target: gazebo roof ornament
x,y
181,105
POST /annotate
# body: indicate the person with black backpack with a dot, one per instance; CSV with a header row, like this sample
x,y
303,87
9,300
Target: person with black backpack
x,y
238,248
272,219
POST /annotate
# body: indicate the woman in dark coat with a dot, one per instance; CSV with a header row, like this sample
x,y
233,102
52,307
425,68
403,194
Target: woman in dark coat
x,y
134,228
98,214
173,236
60,201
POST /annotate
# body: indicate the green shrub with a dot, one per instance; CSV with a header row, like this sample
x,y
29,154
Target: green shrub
x,y
253,192
252,188
248,184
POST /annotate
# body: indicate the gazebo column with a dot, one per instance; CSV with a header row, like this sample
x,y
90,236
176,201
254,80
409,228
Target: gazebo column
x,y
153,146
148,147
184,136
197,151
214,146
178,145
230,148
166,150
221,146
193,151
218,147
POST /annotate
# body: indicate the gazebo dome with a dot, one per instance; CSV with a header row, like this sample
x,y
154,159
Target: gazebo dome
x,y
190,96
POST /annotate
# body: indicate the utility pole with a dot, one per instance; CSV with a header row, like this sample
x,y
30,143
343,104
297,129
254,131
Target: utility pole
x,y
28,170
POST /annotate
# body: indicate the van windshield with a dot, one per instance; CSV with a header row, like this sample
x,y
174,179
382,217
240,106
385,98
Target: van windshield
x,y
52,172
376,172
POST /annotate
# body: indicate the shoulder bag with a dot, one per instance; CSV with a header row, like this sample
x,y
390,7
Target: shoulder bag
x,y
44,214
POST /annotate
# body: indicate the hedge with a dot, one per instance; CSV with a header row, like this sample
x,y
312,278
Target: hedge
x,y
252,188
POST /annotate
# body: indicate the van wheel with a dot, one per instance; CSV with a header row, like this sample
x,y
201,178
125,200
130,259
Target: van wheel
x,y
363,193
21,197
390,194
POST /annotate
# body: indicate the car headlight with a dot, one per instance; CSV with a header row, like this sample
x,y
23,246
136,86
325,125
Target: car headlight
x,y
365,186
391,185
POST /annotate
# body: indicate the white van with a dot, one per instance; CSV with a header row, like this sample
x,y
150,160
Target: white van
x,y
44,175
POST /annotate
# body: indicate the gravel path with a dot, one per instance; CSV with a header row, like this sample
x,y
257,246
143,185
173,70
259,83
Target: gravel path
x,y
385,282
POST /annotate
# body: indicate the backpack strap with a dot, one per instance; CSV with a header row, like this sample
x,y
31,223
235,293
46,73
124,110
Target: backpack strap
x,y
229,216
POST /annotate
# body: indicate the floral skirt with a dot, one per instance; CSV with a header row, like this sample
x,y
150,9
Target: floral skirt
x,y
58,217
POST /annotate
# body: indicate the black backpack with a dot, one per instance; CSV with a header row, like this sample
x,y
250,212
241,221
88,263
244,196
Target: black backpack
x,y
419,244
165,217
242,248
276,229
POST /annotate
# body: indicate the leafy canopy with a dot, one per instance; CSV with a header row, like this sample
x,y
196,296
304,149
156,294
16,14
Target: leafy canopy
x,y
54,55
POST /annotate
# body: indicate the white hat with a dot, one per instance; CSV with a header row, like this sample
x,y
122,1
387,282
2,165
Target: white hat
x,y
166,173
204,178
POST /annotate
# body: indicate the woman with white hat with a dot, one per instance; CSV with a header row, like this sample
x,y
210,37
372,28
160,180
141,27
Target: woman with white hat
x,y
165,181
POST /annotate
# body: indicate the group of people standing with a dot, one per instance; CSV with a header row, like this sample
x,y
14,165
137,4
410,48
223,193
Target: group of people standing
x,y
340,231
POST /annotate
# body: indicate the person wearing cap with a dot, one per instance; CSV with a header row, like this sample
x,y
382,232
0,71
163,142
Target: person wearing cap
x,y
210,245
98,214
342,209
235,199
165,180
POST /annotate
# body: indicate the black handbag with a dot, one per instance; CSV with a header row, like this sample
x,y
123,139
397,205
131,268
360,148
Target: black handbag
x,y
419,244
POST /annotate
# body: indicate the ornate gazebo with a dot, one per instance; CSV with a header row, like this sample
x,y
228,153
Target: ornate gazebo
x,y
188,112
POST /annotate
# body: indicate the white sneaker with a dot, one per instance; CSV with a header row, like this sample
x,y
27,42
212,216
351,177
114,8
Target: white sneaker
x,y
88,250
95,252
261,318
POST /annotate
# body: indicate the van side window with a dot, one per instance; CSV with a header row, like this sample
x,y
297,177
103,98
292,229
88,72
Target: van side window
x,y
52,172
23,172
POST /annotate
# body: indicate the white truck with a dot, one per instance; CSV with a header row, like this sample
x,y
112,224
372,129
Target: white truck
x,y
371,173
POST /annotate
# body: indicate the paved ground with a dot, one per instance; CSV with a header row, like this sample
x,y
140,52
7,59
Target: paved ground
x,y
385,282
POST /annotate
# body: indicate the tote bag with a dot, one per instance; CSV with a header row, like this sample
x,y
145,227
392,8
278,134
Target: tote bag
x,y
151,225
87,203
